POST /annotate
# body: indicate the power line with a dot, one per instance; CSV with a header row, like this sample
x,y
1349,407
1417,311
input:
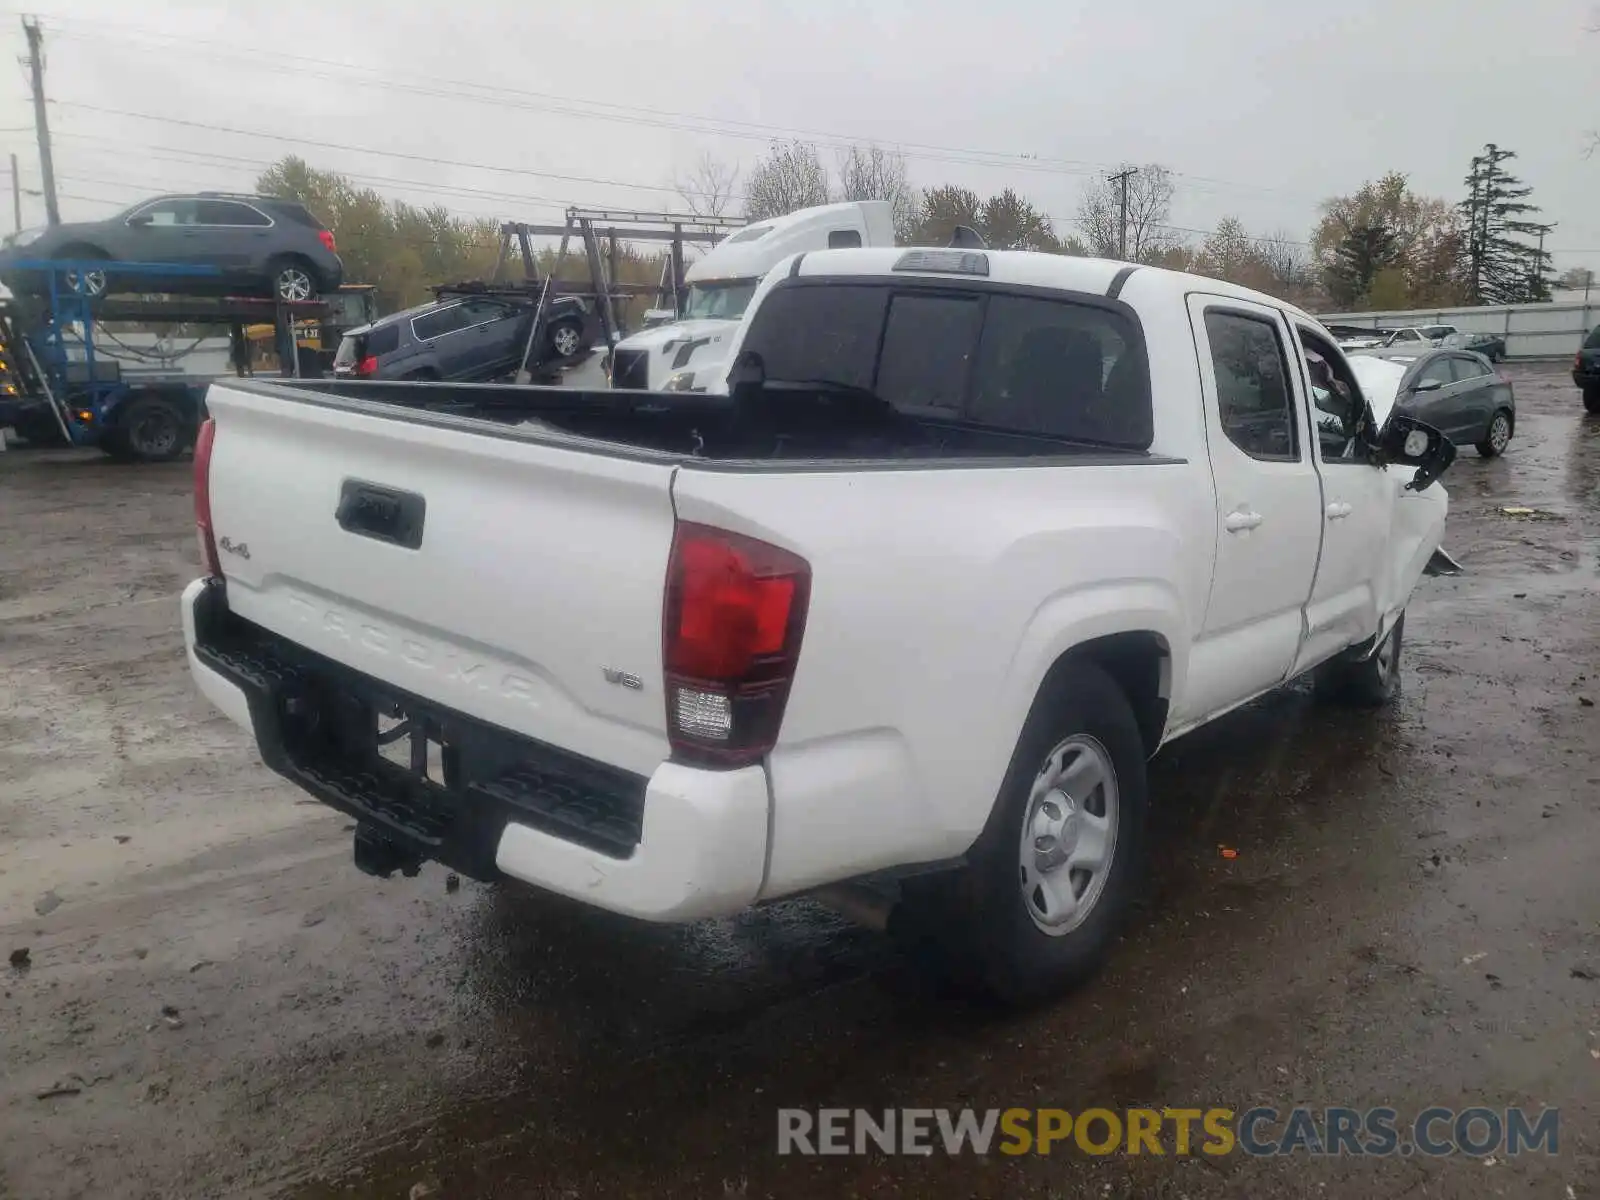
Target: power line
x,y
348,149
566,105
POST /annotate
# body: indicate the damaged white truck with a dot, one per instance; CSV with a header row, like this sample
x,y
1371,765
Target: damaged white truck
x,y
970,536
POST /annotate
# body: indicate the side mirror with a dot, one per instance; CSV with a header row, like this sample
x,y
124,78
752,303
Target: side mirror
x,y
1427,385
1409,441
139,220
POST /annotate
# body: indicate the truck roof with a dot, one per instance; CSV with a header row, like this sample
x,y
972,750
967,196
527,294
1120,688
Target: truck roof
x,y
751,252
1031,268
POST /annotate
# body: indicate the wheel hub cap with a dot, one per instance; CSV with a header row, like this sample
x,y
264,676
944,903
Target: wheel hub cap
x,y
1069,835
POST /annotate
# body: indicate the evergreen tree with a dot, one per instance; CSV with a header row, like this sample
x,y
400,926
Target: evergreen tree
x,y
1506,260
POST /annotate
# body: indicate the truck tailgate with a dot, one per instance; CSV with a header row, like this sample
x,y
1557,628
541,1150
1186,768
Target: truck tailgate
x,y
517,582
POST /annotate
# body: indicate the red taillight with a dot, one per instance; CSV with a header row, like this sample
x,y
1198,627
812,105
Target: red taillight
x,y
734,615
367,366
202,498
327,241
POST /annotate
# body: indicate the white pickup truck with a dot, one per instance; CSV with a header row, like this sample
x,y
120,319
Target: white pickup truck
x,y
691,353
972,535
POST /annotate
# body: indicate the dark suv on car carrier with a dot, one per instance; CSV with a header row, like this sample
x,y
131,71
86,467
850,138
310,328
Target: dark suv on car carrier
x,y
261,245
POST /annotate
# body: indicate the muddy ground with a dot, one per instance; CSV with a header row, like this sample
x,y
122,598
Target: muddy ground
x,y
224,1005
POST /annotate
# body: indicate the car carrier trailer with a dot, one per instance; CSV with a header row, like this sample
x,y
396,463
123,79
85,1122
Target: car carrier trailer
x,y
59,389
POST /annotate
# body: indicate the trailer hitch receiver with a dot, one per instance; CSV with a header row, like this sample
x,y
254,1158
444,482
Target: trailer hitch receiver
x,y
376,854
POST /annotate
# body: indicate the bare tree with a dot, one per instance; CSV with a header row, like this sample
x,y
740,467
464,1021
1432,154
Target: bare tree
x,y
1576,279
707,186
791,176
1150,192
873,173
1287,262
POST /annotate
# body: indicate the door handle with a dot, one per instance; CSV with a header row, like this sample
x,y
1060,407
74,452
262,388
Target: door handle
x,y
1337,511
1241,521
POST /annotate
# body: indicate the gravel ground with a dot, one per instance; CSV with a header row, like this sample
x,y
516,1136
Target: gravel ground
x,y
216,1002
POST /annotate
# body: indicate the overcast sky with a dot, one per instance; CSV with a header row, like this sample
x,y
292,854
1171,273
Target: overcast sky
x,y
1263,108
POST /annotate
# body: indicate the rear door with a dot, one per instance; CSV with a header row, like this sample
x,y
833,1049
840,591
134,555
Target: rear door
x,y
231,234
438,337
1269,502
1474,397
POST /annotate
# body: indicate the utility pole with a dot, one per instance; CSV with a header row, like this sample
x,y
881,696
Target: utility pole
x,y
1121,179
41,123
16,196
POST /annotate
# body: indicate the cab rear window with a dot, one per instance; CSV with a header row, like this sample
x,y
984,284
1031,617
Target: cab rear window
x,y
1021,362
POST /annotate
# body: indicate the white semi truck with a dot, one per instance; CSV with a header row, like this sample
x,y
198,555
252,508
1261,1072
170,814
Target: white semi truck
x,y
691,353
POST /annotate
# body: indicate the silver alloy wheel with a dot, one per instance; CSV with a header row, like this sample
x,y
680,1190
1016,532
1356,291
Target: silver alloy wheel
x,y
1499,433
565,339
1069,835
94,282
294,284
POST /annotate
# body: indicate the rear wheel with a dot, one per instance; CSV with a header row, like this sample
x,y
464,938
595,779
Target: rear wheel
x,y
1368,682
292,279
1498,436
1052,875
150,429
1591,399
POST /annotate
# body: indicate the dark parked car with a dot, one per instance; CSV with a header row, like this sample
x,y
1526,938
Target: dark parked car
x,y
1586,371
1491,345
479,335
262,245
1462,395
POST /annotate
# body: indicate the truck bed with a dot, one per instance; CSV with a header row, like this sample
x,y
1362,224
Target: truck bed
x,y
786,429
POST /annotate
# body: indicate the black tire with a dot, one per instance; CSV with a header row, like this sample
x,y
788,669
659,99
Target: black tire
x,y
1364,683
991,926
151,429
565,337
1591,399
293,279
1498,436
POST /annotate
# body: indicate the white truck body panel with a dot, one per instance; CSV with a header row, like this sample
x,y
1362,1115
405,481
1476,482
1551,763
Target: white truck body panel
x,y
698,347
942,593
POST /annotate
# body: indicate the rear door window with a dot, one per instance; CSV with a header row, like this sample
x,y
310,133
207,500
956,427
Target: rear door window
x,y
1438,371
1467,368
1033,365
229,212
1253,396
1592,342
438,322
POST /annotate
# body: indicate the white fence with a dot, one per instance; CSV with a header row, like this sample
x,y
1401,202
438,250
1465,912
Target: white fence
x,y
1530,330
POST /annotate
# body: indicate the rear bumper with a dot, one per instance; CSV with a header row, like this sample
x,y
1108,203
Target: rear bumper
x,y
678,846
1586,379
